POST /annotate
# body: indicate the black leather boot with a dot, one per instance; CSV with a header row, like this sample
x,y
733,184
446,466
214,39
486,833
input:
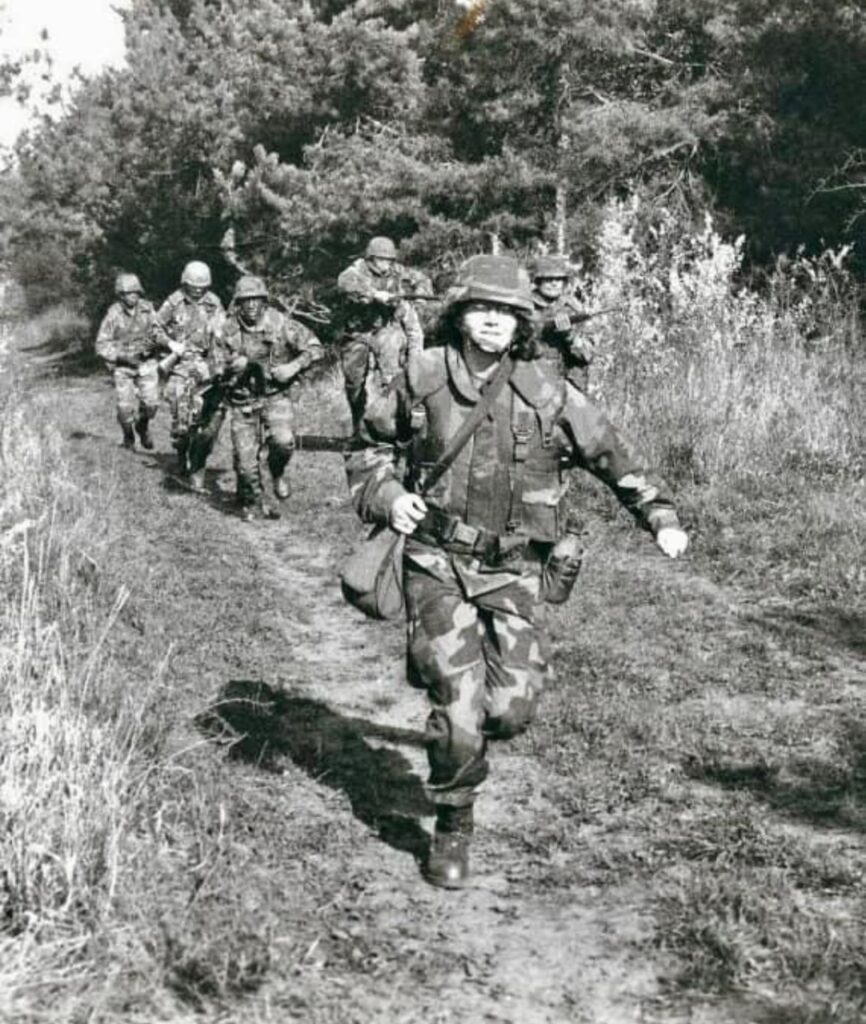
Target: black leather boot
x,y
448,861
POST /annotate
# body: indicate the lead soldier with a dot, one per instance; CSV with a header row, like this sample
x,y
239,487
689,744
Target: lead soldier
x,y
478,543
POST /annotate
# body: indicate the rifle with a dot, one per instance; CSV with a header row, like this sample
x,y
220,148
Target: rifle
x,y
564,321
326,443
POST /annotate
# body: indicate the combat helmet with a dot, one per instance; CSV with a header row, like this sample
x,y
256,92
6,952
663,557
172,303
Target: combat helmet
x,y
249,287
549,267
499,279
196,274
382,247
126,283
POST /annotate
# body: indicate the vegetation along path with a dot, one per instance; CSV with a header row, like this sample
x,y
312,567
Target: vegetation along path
x,y
679,838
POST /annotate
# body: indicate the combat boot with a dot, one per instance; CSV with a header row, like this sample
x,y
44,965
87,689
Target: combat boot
x,y
282,488
128,435
143,428
447,863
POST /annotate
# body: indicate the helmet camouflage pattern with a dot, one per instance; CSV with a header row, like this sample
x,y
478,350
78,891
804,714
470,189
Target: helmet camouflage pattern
x,y
196,274
249,287
499,279
549,266
382,247
126,283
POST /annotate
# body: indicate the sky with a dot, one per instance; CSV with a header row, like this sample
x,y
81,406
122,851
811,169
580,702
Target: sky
x,y
87,33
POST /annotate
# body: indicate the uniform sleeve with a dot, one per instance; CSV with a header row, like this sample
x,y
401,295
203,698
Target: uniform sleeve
x,y
598,446
106,347
303,343
356,285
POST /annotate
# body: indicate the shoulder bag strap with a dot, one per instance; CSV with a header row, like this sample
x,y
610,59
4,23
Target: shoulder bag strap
x,y
489,392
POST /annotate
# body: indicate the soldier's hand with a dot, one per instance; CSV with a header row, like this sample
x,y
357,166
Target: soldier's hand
x,y
672,540
177,347
237,364
380,295
407,512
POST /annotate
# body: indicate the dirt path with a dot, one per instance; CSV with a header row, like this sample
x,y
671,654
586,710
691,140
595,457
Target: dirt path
x,y
321,807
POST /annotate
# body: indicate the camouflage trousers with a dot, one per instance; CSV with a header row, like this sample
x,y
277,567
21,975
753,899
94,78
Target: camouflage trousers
x,y
137,392
475,644
262,425
183,402
382,350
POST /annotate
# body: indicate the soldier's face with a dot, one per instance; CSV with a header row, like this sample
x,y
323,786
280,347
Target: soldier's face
x,y
550,287
488,326
129,299
380,265
193,292
251,309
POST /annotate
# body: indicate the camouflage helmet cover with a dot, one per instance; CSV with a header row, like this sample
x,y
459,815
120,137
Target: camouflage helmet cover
x,y
126,283
549,266
382,247
499,279
249,287
196,274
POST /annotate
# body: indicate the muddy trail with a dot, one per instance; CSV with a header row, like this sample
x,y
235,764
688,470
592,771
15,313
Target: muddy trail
x,y
297,895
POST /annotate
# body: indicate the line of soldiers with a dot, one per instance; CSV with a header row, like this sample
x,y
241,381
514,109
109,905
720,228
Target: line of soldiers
x,y
498,365
209,362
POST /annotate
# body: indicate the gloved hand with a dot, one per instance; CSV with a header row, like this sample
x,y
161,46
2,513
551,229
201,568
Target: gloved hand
x,y
407,512
672,540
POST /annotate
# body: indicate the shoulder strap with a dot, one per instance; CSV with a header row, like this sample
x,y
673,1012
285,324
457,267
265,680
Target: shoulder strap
x,y
489,392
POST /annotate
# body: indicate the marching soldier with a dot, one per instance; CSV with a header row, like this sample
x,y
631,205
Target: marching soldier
x,y
126,341
255,357
187,319
481,549
376,288
557,314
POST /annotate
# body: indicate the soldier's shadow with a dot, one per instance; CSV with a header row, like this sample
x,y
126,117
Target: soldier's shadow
x,y
262,725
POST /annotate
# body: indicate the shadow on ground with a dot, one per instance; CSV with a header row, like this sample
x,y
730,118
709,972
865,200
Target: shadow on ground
x,y
264,725
821,792
834,625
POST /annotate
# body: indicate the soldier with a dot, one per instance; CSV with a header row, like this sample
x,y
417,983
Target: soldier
x,y
478,542
557,312
375,288
258,352
126,341
187,319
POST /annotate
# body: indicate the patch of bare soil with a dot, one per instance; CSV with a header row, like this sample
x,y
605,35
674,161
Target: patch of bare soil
x,y
294,722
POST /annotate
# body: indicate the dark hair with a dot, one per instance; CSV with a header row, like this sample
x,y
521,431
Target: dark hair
x,y
523,346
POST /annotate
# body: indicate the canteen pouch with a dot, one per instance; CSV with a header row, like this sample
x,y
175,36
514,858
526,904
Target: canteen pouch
x,y
372,578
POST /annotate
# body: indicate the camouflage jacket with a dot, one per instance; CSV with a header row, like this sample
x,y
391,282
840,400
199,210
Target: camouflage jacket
x,y
127,337
509,477
362,313
192,323
560,341
276,340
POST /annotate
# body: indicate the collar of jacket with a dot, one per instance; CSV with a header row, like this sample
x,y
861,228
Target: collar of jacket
x,y
535,385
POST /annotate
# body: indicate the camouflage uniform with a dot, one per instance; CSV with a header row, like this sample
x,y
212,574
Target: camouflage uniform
x,y
472,569
191,323
262,413
561,345
126,340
